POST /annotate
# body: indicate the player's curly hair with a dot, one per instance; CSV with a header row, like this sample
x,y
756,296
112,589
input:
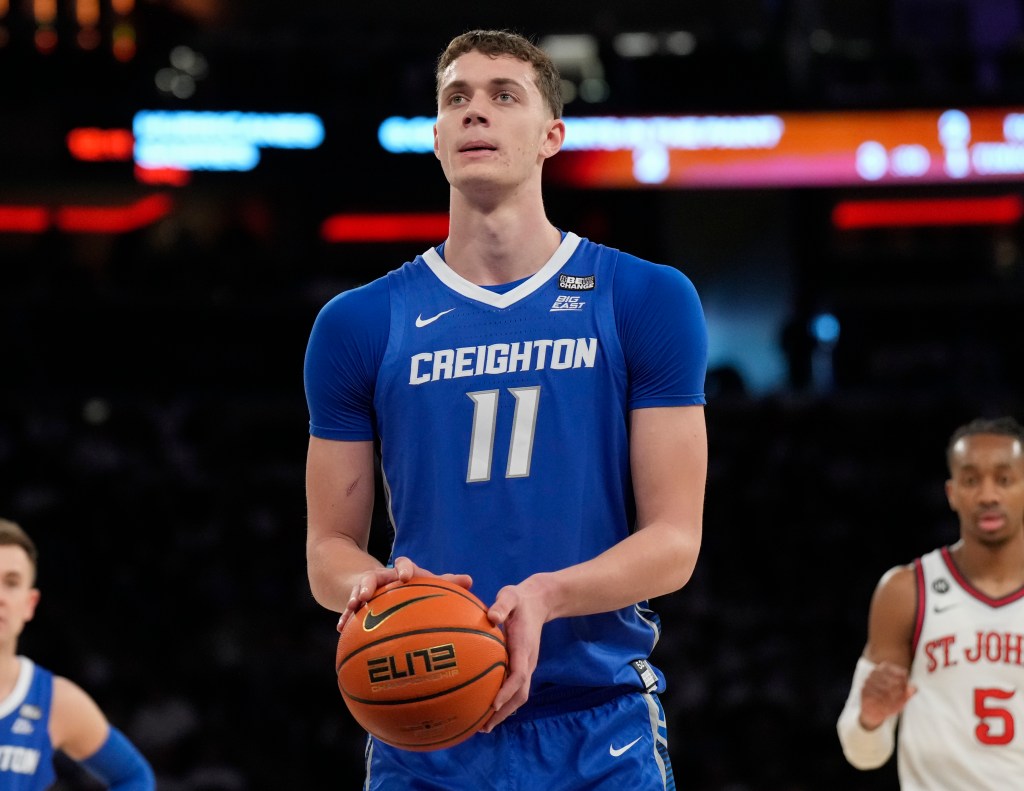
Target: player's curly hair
x,y
504,42
1002,426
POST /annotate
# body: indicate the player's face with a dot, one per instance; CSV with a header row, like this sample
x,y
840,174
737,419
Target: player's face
x,y
494,129
18,597
986,487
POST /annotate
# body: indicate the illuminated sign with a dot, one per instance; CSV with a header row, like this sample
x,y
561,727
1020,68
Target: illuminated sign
x,y
385,227
85,219
97,145
788,149
186,140
995,210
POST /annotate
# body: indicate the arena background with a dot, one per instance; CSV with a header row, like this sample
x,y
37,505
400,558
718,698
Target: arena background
x,y
153,324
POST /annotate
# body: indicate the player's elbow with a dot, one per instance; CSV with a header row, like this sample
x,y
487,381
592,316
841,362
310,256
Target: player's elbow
x,y
329,590
678,550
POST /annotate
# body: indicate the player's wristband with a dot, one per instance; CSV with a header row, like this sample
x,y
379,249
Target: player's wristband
x,y
864,749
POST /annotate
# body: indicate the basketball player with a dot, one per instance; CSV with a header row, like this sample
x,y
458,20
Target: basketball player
x,y
538,403
945,648
41,712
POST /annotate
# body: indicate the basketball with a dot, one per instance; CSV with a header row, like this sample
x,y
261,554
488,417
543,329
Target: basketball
x,y
419,664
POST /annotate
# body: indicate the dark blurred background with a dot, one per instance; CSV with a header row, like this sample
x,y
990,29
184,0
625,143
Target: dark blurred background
x,y
153,325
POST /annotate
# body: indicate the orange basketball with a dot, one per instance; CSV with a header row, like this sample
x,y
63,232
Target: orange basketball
x,y
419,664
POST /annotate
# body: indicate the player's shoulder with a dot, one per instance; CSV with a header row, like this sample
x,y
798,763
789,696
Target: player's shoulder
x,y
632,271
898,582
588,248
68,693
357,305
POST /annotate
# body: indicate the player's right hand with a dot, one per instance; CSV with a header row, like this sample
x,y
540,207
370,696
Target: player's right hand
x,y
885,692
369,582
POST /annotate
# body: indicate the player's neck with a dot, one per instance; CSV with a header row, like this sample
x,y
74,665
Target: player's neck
x,y
10,667
491,245
996,570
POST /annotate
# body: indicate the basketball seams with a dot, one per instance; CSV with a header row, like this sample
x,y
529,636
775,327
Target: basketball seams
x,y
450,588
454,738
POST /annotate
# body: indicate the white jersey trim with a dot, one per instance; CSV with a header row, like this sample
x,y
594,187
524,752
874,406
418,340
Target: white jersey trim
x,y
21,686
459,284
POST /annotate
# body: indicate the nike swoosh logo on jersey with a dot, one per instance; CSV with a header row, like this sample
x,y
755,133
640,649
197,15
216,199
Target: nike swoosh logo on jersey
x,y
615,752
373,620
940,608
422,322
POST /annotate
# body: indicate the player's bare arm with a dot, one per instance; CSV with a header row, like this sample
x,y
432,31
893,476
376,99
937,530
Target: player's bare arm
x,y
340,492
339,501
77,725
890,634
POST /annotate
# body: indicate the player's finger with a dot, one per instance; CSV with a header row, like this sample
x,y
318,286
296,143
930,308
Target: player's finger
x,y
354,602
405,569
462,580
512,694
504,605
495,720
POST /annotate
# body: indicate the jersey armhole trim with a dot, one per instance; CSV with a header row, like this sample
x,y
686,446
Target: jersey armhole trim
x,y
919,606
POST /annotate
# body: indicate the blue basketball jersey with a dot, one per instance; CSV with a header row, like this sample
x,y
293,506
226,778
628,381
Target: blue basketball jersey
x,y
26,754
503,425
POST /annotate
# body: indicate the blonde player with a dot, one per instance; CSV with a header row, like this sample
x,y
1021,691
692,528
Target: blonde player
x,y
41,712
945,652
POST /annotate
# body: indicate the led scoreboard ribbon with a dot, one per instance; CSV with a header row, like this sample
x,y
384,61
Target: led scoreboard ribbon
x,y
788,149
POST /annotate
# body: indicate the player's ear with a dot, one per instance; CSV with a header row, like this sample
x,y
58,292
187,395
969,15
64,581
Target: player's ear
x,y
437,151
33,602
949,494
554,138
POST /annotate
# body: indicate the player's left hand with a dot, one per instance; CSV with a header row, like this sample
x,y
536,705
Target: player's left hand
x,y
523,610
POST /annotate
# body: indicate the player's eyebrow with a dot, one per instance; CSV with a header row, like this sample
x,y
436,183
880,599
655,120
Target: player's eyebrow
x,y
974,468
496,82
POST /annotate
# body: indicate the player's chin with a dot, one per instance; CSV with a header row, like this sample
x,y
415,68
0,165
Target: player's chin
x,y
482,179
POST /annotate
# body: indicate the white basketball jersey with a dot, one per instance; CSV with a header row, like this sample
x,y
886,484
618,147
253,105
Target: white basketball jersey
x,y
964,729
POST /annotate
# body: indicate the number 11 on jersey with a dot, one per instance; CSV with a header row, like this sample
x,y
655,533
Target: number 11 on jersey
x,y
485,418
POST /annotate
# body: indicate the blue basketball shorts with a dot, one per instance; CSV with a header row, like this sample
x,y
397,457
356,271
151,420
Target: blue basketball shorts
x,y
620,744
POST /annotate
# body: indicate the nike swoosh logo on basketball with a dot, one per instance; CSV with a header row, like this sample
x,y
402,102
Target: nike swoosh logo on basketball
x,y
615,752
422,322
373,620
